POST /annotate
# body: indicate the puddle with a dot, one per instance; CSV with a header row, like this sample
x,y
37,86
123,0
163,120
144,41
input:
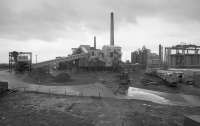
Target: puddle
x,y
162,97
136,93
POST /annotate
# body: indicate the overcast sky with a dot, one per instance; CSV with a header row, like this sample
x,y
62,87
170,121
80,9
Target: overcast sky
x,y
50,28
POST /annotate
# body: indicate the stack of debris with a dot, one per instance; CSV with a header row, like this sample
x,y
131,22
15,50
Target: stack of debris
x,y
148,81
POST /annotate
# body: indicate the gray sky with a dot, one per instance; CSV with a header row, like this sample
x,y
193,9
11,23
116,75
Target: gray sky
x,y
50,28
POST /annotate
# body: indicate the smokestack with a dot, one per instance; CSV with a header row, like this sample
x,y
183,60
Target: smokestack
x,y
112,29
160,53
95,42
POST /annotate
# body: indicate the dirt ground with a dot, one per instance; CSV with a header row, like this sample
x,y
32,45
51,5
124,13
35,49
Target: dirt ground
x,y
79,78
36,109
111,80
33,109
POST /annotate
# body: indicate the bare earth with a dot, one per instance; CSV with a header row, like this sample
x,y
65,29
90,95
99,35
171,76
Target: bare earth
x,y
33,109
37,109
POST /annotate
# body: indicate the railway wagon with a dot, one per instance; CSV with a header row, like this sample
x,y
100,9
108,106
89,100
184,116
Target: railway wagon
x,y
171,77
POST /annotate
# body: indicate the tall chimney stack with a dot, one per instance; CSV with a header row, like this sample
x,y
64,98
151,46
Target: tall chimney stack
x,y
161,53
95,42
112,29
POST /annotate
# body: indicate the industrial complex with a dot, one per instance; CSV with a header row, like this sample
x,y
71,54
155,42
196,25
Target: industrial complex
x,y
161,81
167,64
86,56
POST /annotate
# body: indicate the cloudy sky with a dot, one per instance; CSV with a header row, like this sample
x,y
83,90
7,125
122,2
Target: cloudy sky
x,y
50,28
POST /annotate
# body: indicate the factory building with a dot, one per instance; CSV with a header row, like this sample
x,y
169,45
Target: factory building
x,y
91,57
111,55
140,56
145,58
86,56
183,56
108,56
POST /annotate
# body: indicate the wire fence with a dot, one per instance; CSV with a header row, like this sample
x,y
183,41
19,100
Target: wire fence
x,y
61,91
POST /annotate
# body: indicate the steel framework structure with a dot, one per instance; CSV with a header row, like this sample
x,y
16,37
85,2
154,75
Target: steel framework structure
x,y
183,56
13,59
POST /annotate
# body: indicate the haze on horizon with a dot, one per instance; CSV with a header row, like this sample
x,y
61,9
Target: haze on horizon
x,y
51,28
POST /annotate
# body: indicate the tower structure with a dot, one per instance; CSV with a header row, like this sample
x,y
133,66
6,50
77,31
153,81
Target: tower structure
x,y
112,29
